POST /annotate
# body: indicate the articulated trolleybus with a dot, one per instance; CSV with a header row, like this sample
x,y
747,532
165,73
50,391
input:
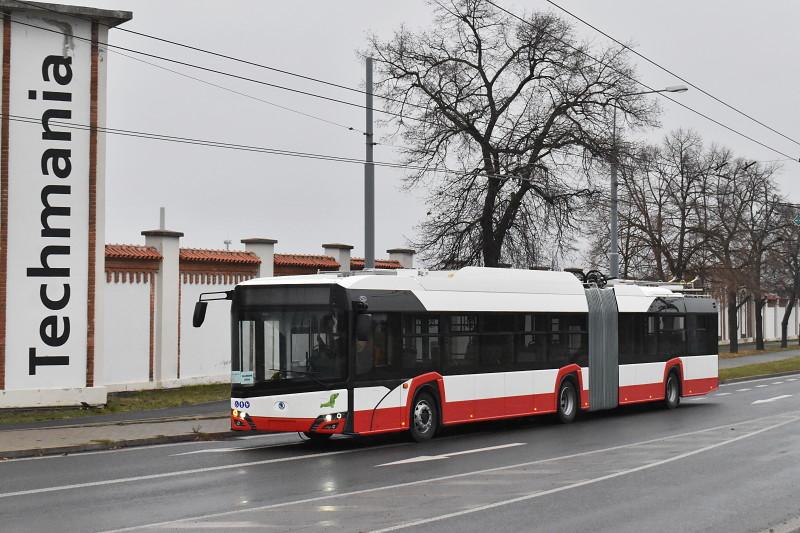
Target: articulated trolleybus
x,y
411,350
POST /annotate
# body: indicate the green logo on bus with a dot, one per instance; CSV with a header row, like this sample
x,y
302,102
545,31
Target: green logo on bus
x,y
331,401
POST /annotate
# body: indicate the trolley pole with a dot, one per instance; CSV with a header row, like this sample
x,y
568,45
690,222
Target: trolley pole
x,y
369,180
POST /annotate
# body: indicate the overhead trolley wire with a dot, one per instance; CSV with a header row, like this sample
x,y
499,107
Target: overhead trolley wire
x,y
635,80
308,155
672,73
399,115
229,57
113,48
234,91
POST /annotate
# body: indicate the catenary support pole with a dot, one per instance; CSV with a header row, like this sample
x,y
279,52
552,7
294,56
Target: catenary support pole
x,y
613,251
369,180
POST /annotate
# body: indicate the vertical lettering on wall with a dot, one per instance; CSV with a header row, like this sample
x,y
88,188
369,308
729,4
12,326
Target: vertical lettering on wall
x,y
93,88
55,161
6,105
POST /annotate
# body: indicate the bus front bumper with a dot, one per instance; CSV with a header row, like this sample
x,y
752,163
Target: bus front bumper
x,y
324,424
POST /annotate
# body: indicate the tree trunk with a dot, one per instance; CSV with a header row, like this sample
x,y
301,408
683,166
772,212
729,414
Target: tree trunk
x,y
760,303
785,322
733,328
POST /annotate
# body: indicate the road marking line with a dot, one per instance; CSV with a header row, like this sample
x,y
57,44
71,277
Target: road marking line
x,y
583,483
723,394
186,472
776,398
761,386
422,458
208,450
743,390
315,499
777,382
791,379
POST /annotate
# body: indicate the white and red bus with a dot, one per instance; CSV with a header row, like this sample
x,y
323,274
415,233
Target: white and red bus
x,y
414,350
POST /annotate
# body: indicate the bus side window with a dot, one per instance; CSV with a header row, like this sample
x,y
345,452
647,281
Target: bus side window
x,y
531,344
420,343
377,357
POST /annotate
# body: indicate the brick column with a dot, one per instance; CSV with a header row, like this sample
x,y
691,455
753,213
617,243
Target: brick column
x,y
165,365
265,250
405,256
341,253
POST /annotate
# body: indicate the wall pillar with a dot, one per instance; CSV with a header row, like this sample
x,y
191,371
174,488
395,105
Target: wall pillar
x,y
405,256
341,253
165,365
264,249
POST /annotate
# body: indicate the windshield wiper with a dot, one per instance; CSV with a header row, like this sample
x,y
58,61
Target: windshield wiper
x,y
302,373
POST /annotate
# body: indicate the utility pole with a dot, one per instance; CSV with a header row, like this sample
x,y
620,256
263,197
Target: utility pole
x,y
613,252
369,180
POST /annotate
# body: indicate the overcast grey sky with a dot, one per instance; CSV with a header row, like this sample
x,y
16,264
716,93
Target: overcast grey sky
x,y
744,52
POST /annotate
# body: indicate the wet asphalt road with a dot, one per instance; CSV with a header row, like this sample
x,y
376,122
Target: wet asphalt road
x,y
726,462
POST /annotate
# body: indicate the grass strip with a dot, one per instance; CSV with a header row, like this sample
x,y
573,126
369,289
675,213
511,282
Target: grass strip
x,y
125,401
761,369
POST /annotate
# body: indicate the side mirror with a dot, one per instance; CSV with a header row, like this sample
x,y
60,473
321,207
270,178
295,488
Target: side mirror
x,y
199,314
363,327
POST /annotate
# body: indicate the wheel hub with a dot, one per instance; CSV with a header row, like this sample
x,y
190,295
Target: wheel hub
x,y
566,401
423,417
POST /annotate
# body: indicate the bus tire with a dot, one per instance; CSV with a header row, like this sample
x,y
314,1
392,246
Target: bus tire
x,y
672,391
567,401
424,417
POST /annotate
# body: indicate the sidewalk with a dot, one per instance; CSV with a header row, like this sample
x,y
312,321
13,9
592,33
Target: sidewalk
x,y
48,438
760,358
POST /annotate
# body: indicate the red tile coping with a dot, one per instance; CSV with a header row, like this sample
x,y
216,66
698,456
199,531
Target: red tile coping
x,y
199,255
323,262
357,263
130,251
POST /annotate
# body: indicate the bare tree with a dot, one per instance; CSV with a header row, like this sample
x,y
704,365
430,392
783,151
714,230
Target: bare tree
x,y
782,267
733,192
663,216
515,106
764,222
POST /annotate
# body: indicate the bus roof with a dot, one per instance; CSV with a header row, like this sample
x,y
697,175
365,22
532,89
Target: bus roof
x,y
481,288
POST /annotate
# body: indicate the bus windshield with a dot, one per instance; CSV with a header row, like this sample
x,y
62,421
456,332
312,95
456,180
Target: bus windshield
x,y
295,345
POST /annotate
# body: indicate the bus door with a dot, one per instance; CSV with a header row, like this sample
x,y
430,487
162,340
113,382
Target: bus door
x,y
603,349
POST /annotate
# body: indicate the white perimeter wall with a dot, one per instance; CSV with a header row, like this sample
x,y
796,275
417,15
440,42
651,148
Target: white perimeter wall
x,y
126,342
206,351
773,315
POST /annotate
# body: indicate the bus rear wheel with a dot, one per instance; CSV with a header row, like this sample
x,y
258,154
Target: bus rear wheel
x,y
424,417
567,401
672,391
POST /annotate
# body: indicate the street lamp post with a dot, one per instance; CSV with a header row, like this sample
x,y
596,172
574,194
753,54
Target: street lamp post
x,y
613,252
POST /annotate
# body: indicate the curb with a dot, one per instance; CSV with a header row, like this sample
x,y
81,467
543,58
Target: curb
x,y
97,446
158,420
761,376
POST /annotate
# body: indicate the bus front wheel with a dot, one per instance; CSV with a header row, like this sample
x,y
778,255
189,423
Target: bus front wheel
x,y
424,417
567,401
